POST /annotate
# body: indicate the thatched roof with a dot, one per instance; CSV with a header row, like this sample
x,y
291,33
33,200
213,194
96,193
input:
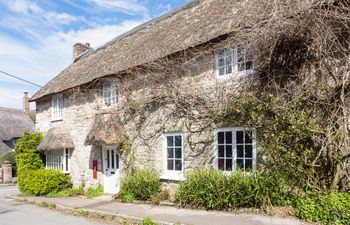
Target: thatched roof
x,y
55,139
3,148
196,23
106,130
13,123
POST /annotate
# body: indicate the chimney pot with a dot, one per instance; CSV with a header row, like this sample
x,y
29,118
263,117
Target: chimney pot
x,y
79,49
26,106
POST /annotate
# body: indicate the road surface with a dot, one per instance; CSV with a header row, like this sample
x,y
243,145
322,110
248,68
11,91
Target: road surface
x,y
15,213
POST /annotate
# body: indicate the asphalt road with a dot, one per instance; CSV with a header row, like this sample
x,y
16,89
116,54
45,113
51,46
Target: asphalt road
x,y
14,213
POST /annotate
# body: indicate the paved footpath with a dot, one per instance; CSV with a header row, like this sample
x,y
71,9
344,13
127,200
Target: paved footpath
x,y
19,213
164,214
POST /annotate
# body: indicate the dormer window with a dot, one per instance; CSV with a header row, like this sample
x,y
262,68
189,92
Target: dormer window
x,y
233,61
109,94
57,107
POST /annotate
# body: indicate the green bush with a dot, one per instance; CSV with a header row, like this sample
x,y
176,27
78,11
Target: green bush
x,y
8,156
148,221
333,208
28,142
143,185
212,189
33,178
28,161
42,182
127,197
94,192
69,192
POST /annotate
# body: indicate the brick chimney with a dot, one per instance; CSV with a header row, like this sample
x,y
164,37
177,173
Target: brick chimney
x,y
79,49
26,106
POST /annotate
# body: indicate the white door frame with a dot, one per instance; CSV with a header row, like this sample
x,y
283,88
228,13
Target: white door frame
x,y
111,169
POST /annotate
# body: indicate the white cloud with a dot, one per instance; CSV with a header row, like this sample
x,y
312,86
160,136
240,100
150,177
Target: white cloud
x,y
10,98
127,6
47,49
54,53
23,6
62,18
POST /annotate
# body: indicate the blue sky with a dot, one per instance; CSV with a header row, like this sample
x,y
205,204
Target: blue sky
x,y
36,36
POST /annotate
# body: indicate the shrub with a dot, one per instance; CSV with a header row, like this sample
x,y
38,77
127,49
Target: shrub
x,y
42,181
148,221
28,161
127,197
142,185
94,192
29,142
333,208
27,164
212,189
8,156
33,178
160,196
69,192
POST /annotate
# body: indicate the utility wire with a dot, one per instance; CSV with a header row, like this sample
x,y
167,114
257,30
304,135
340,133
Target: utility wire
x,y
13,76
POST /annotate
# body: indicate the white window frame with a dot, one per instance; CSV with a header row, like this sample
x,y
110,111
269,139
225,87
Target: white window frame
x,y
234,147
64,154
173,174
114,98
57,107
234,63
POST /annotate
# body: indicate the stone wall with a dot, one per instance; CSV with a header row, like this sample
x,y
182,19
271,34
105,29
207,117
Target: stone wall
x,y
78,115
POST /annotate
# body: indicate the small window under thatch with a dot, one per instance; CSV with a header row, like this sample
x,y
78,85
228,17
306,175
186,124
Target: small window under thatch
x,y
106,130
56,138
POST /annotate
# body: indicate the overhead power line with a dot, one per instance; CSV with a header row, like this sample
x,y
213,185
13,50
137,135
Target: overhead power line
x,y
18,78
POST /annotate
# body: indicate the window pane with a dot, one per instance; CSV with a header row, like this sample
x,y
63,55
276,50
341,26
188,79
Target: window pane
x,y
170,141
170,153
228,69
248,164
229,164
178,153
221,62
240,164
112,160
229,151
67,158
221,71
117,161
221,137
178,140
221,164
248,151
170,165
239,137
221,54
221,150
241,67
178,165
240,151
229,137
249,65
108,165
248,137
228,58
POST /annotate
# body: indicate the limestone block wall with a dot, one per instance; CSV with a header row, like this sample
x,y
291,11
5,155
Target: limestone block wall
x,y
78,116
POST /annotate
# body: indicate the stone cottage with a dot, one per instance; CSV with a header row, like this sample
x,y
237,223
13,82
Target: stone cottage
x,y
13,123
132,103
